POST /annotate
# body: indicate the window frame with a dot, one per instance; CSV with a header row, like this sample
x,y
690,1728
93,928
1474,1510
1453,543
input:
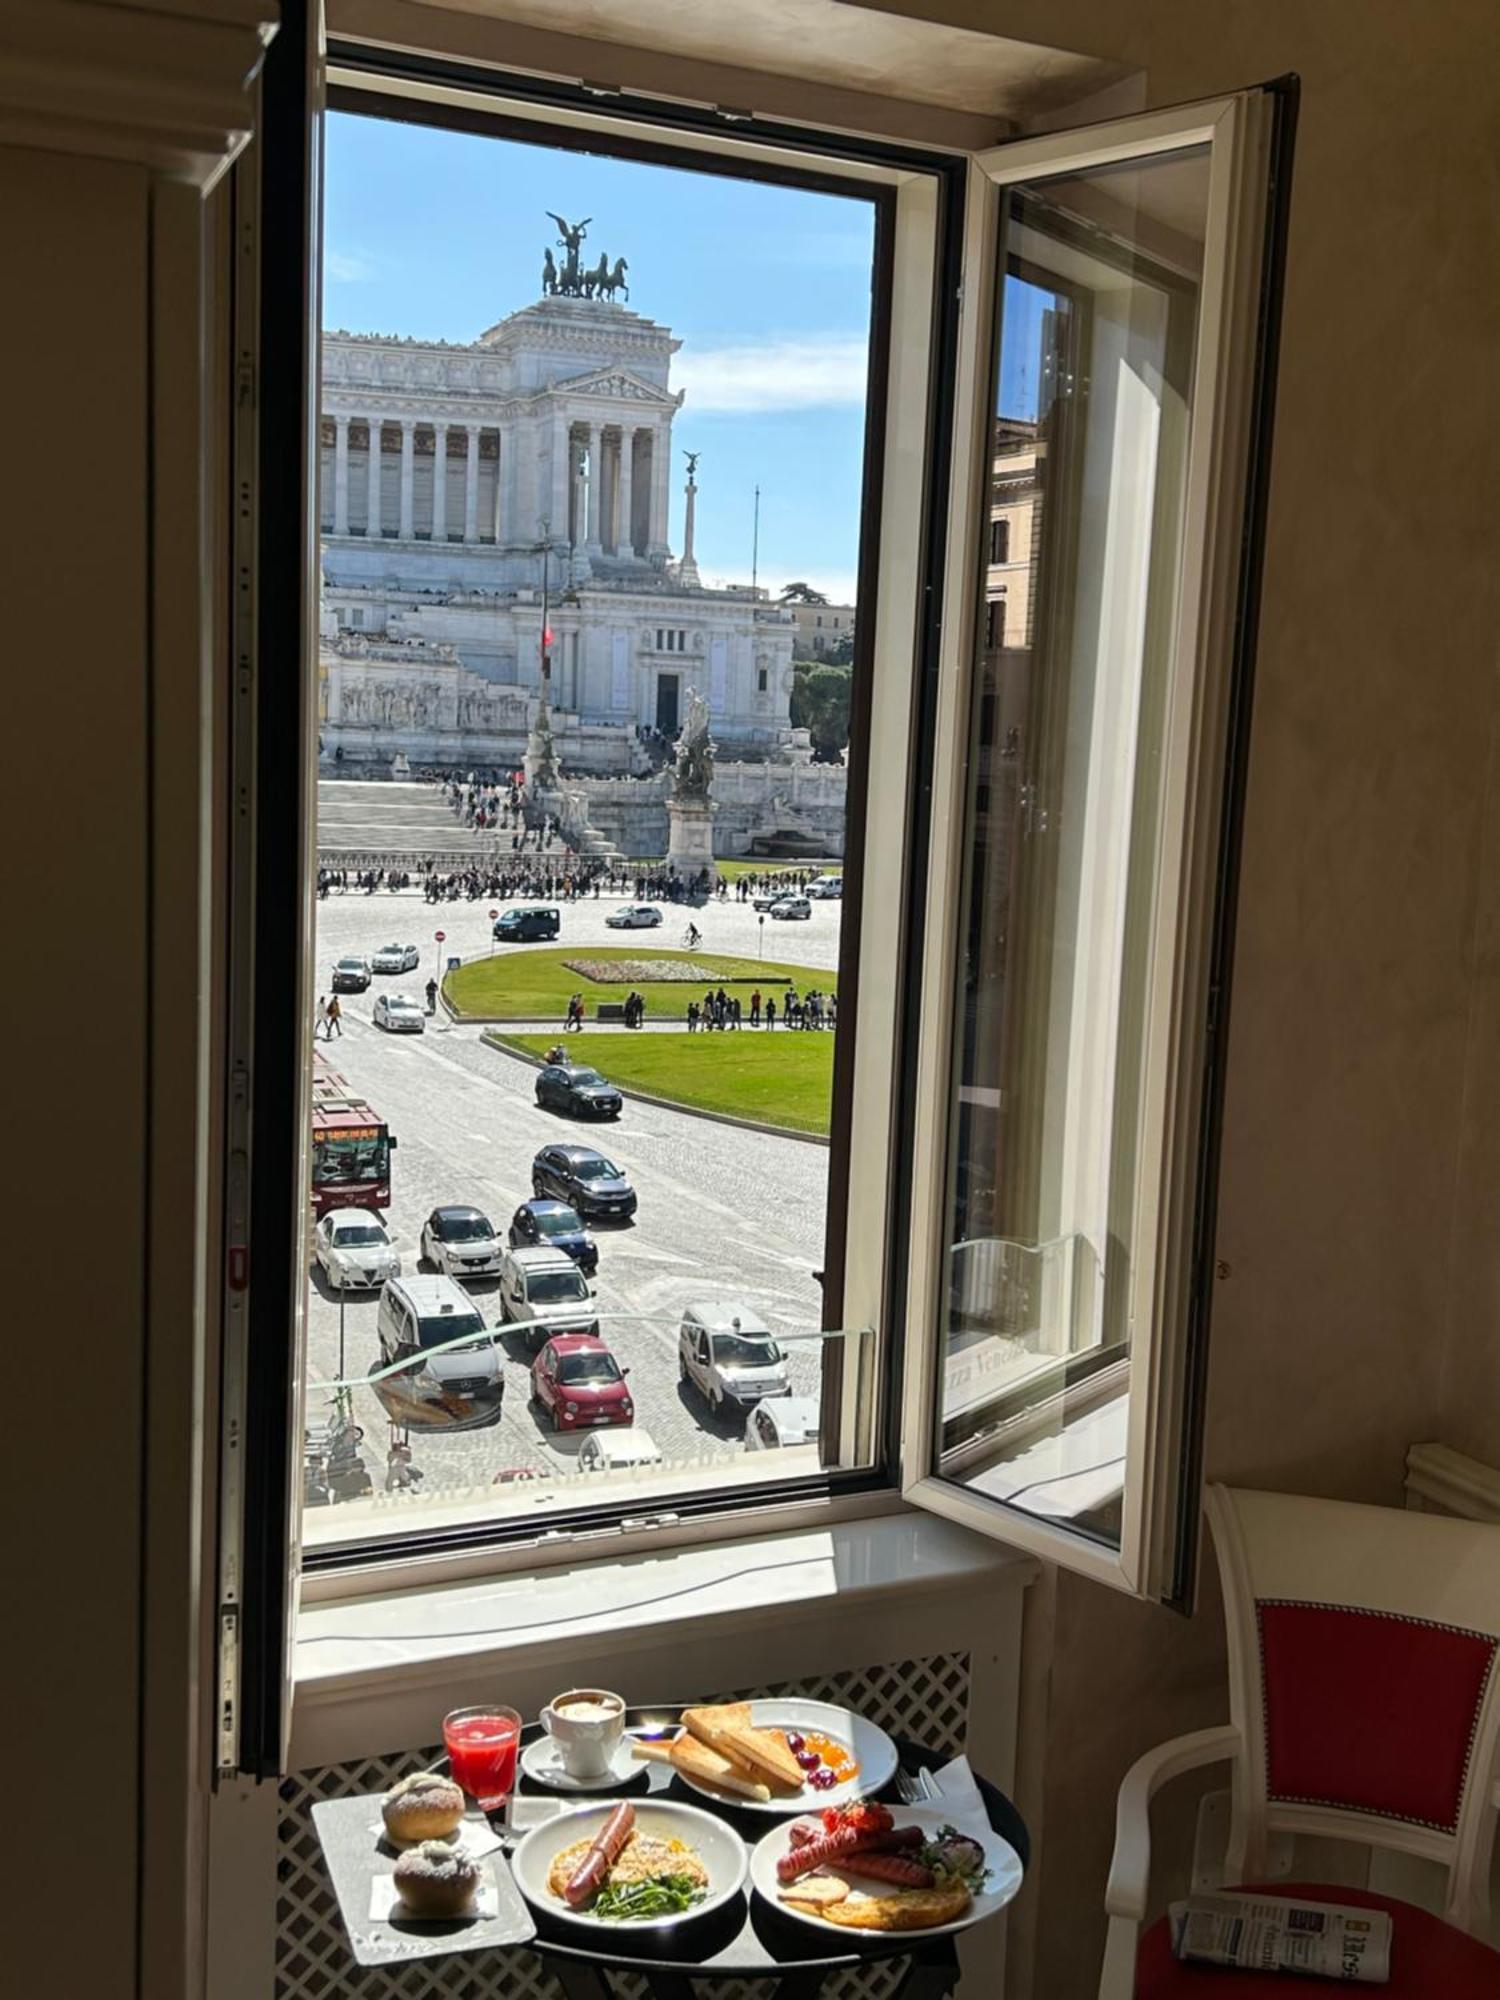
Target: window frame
x,y
1249,137
915,195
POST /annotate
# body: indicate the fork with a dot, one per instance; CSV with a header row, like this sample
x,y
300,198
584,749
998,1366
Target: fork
x,y
915,1788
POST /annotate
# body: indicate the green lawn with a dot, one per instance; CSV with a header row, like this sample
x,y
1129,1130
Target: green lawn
x,y
520,985
771,1079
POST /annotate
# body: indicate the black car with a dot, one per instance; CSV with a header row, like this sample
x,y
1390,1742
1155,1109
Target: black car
x,y
552,1225
523,925
582,1092
590,1183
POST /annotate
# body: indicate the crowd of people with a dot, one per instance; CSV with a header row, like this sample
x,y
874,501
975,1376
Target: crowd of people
x,y
727,1012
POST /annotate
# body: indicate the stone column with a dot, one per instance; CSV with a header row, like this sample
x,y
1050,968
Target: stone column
x,y
687,569
661,472
471,486
341,475
408,476
372,503
562,473
624,496
593,444
440,482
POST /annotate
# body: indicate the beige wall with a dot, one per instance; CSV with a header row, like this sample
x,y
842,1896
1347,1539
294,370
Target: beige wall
x,y
1361,1167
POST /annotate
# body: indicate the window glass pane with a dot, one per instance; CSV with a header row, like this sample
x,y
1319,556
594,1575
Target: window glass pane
x,y
1093,388
565,823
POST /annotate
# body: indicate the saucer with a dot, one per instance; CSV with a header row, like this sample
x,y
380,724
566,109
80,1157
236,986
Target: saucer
x,y
542,1763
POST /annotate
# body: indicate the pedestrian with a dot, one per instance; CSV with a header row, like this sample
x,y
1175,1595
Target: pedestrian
x,y
432,993
755,1008
734,1012
692,1017
320,1018
335,1018
771,1010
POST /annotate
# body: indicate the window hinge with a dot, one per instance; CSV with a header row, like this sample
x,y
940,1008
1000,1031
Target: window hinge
x,y
635,1523
245,385
958,294
229,1687
733,114
599,89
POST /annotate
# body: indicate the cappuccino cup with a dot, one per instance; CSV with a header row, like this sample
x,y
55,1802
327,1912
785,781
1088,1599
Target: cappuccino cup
x,y
586,1724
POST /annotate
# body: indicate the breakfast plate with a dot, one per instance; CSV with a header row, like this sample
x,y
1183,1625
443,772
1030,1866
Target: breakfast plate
x,y
855,1758
838,1897
668,1863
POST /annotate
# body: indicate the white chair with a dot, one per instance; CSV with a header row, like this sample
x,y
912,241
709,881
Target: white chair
x,y
1364,1695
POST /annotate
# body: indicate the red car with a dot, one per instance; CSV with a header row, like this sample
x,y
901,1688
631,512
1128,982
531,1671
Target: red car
x,y
578,1383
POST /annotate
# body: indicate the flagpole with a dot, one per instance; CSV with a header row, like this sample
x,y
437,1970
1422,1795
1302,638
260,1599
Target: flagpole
x,y
755,546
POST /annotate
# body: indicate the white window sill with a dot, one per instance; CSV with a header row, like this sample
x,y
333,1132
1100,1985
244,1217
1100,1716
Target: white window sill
x,y
377,1672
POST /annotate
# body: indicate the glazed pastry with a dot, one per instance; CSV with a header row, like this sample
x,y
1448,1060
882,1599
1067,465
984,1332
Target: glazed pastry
x,y
425,1806
436,1880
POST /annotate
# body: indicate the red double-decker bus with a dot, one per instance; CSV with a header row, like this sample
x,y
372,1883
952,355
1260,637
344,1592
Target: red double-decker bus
x,y
351,1148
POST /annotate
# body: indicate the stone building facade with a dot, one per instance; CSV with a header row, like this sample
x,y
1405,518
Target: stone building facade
x,y
464,486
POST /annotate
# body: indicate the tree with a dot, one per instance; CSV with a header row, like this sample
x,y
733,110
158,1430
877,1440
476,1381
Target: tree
x,y
820,705
802,593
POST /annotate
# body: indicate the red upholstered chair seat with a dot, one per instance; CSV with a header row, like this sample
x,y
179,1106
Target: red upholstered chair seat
x,y
1430,1960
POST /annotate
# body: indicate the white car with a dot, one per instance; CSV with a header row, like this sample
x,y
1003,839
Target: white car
x,y
782,1420
542,1292
730,1357
609,1451
354,1251
399,1014
634,917
765,898
396,958
827,889
794,909
462,1243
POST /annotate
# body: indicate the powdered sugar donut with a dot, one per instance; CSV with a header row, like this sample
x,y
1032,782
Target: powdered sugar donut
x,y
436,1880
425,1806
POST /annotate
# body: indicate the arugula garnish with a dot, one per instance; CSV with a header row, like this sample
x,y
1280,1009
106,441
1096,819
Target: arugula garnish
x,y
659,1896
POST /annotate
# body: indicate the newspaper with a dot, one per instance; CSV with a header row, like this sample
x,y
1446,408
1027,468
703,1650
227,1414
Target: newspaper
x,y
1276,1934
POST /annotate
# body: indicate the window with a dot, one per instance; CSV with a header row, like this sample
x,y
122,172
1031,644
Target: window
x,y
1019,1131
356,616
994,637
1000,541
762,680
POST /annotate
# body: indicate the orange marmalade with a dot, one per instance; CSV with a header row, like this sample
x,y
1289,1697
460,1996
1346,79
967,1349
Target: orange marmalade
x,y
833,1755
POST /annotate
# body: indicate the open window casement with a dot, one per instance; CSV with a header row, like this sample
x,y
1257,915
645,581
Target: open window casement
x,y
1098,596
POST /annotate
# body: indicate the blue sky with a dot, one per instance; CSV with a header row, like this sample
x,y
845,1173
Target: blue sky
x,y
439,234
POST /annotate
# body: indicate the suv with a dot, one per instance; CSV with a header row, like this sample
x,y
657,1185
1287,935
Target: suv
x,y
730,1358
351,975
419,1315
521,926
590,1184
582,1092
552,1225
543,1292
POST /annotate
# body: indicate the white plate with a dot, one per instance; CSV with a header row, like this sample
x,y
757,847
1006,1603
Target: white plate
x,y
1001,1883
542,1762
718,1847
874,1752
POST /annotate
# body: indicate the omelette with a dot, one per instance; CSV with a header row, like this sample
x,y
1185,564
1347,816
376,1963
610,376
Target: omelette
x,y
643,1858
832,1898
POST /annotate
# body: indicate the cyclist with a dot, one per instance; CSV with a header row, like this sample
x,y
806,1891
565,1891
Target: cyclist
x,y
692,937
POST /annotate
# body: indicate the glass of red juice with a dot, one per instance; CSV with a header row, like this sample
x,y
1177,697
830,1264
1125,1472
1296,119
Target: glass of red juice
x,y
481,1745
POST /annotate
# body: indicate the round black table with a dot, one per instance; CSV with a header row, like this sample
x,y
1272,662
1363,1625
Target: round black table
x,y
745,1939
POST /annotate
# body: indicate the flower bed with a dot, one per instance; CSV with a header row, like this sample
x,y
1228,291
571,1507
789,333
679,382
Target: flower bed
x,y
665,971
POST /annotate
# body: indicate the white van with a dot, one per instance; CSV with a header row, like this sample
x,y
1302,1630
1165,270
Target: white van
x,y
542,1292
419,1315
730,1357
826,888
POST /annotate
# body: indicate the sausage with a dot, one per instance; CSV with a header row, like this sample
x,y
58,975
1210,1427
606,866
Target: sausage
x,y
890,1868
604,1851
804,1830
817,1853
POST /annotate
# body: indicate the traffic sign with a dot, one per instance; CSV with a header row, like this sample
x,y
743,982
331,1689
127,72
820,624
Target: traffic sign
x,y
441,936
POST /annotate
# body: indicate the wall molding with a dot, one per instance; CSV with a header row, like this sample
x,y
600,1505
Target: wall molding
x,y
1440,1480
168,86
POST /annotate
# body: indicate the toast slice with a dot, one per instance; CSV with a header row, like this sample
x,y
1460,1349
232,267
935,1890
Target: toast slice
x,y
760,1753
695,1759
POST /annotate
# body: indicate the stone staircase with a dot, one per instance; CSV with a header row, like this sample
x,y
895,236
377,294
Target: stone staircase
x,y
363,820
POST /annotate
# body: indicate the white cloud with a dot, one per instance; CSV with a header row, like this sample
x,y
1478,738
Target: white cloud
x,y
775,375
348,267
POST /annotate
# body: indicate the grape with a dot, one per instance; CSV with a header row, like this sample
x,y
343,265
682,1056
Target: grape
x,y
794,1742
809,1760
823,1780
